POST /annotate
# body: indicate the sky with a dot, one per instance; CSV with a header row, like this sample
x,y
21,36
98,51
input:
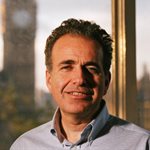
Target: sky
x,y
50,13
142,35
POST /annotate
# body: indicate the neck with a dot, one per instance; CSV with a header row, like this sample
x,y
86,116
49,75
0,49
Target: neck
x,y
73,124
72,127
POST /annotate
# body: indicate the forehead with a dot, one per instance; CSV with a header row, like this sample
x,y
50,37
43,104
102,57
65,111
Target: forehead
x,y
70,45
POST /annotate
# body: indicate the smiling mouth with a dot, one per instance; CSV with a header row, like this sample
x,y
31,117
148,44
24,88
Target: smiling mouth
x,y
76,93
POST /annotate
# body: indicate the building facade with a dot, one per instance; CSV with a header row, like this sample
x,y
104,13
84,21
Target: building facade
x,y
19,23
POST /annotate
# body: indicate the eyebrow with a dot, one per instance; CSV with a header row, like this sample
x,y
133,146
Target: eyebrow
x,y
66,62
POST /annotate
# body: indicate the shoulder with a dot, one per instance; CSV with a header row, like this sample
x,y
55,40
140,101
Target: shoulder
x,y
128,127
32,136
38,130
122,135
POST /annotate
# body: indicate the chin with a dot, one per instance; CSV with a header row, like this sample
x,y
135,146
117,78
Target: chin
x,y
78,109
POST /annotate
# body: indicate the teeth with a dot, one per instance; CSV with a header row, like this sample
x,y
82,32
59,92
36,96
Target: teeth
x,y
77,93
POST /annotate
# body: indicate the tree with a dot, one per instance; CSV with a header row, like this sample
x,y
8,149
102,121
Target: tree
x,y
16,118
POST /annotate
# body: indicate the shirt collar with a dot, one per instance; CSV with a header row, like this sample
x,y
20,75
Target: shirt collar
x,y
99,122
55,127
92,129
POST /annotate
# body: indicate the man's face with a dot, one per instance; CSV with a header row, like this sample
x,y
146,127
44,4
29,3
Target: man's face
x,y
77,81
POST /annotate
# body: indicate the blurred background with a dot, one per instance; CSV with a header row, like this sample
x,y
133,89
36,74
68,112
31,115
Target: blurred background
x,y
24,27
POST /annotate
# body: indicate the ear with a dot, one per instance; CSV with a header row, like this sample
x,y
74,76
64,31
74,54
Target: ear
x,y
48,80
107,82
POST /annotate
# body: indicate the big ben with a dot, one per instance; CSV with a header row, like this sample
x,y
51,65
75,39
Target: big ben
x,y
19,22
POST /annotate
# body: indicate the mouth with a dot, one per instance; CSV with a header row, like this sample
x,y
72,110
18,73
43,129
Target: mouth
x,y
80,94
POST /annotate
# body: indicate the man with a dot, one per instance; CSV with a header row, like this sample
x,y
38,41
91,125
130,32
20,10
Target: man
x,y
78,58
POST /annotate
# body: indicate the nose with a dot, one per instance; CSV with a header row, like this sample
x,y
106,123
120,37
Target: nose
x,y
80,76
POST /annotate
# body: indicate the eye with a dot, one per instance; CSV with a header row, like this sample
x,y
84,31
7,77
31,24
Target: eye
x,y
66,68
93,69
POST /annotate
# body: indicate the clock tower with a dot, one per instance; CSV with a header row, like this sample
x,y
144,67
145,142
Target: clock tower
x,y
19,22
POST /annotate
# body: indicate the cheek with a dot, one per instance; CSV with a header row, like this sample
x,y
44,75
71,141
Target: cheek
x,y
99,88
58,84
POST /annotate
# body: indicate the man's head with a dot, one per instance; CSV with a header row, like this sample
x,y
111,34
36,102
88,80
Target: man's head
x,y
78,58
83,28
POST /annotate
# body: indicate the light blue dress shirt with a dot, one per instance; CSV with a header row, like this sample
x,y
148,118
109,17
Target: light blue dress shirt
x,y
105,132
